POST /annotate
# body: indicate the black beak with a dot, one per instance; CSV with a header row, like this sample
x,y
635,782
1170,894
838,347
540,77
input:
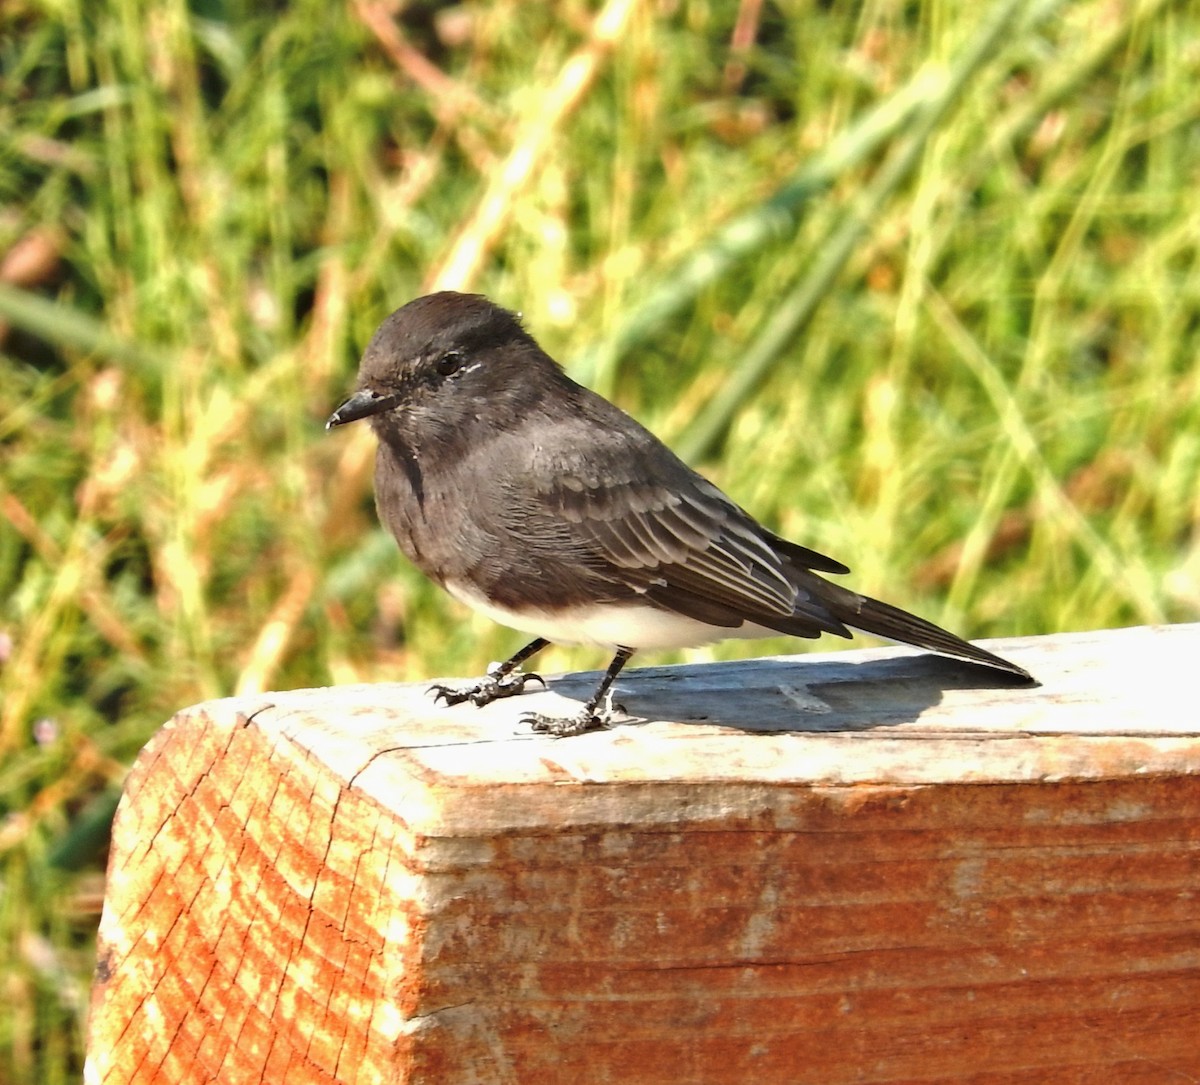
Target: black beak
x,y
362,404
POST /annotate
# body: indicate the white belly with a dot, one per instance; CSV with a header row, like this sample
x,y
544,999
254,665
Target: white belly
x,y
624,625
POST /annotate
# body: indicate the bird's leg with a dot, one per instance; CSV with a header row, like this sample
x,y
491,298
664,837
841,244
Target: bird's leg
x,y
592,717
503,680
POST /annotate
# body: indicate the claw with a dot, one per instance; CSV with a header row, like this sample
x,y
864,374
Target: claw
x,y
448,694
490,688
517,681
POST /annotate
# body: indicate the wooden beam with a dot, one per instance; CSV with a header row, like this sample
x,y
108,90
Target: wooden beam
x,y
850,868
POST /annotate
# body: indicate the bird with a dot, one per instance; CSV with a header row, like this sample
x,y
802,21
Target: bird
x,y
542,505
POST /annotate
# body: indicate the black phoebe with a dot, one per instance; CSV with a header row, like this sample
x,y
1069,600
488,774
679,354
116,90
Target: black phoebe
x,y
540,504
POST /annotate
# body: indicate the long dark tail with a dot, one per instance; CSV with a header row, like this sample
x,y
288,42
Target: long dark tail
x,y
872,616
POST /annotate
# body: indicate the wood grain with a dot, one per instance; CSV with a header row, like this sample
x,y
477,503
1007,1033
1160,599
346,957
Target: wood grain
x,y
868,867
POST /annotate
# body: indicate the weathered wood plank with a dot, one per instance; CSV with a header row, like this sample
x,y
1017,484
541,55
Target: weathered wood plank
x,y
861,867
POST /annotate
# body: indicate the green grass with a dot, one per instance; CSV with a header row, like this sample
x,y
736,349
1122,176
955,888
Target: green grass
x,y
917,284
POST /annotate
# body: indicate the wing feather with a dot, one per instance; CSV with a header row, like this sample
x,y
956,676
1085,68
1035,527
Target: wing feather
x,y
684,547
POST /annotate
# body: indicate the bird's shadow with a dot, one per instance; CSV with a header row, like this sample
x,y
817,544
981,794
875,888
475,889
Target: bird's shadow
x,y
789,694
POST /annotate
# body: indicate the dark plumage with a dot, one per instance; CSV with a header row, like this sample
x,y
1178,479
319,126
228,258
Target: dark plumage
x,y
541,504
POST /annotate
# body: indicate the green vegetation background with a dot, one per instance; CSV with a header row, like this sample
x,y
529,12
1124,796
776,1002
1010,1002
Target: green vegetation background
x,y
917,283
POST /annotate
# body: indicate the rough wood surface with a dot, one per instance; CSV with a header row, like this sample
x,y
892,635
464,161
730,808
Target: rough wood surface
x,y
857,868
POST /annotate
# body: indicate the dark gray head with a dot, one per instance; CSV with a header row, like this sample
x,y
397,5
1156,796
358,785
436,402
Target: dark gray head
x,y
439,359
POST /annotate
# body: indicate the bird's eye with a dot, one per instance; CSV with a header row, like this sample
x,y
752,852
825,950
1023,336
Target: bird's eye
x,y
450,362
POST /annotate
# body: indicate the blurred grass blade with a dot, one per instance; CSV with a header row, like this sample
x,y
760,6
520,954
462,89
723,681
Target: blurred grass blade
x,y
794,311
772,221
62,326
87,836
1123,576
492,215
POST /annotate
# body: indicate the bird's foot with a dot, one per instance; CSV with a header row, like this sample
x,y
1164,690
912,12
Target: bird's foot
x,y
491,687
586,719
566,726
